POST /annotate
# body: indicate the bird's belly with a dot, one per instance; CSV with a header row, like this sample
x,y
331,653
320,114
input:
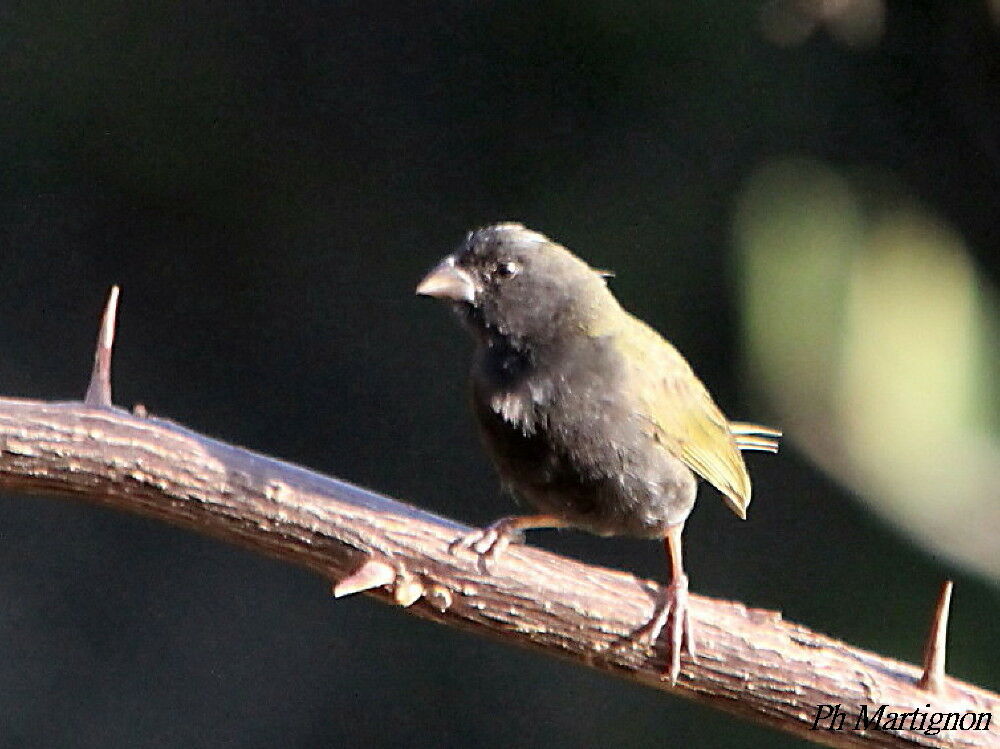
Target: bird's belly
x,y
628,488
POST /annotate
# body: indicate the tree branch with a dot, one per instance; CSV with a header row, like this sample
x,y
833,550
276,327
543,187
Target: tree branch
x,y
750,662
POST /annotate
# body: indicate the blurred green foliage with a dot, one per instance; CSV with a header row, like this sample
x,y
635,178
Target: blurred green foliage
x,y
872,332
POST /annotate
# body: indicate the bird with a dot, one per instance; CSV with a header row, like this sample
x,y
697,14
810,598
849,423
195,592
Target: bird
x,y
590,417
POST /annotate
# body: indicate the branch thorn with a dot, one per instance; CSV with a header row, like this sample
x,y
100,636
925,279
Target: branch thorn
x,y
99,390
408,591
937,641
371,574
440,598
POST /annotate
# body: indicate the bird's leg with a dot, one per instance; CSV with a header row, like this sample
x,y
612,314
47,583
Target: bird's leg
x,y
489,542
672,608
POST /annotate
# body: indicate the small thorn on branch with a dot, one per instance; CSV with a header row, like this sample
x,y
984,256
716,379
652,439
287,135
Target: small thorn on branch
x,y
99,390
371,574
937,641
440,598
408,591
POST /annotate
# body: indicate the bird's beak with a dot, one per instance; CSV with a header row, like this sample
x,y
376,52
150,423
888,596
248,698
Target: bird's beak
x,y
448,281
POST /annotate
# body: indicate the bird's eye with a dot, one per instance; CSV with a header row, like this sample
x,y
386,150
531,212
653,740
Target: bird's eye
x,y
508,269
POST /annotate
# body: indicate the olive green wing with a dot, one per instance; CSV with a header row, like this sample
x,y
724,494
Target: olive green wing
x,y
688,423
697,432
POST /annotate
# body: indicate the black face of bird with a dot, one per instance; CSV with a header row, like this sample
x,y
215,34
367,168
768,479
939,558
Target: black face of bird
x,y
509,282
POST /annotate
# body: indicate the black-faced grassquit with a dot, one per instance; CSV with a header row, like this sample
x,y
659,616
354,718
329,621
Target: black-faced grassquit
x,y
588,414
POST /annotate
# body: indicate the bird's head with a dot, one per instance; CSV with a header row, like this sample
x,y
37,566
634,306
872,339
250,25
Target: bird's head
x,y
511,283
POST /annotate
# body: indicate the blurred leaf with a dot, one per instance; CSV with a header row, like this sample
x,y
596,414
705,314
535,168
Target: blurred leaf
x,y
871,332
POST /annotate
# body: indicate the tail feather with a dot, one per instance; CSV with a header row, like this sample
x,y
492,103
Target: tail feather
x,y
755,436
768,446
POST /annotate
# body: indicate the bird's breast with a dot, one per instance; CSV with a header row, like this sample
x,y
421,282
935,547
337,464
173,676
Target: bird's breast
x,y
568,437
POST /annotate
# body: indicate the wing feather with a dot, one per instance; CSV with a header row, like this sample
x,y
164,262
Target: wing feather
x,y
687,421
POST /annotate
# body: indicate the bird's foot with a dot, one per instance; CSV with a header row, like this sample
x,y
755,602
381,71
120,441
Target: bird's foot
x,y
671,613
488,542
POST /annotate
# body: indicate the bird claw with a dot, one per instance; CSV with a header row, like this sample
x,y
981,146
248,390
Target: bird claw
x,y
671,613
488,542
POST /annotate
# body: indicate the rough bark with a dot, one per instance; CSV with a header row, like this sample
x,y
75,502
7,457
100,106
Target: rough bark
x,y
751,662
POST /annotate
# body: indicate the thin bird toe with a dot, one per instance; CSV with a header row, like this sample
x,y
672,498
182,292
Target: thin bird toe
x,y
465,541
680,629
487,542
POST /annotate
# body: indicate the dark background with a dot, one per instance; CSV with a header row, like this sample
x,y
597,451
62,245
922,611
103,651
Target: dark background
x,y
267,182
